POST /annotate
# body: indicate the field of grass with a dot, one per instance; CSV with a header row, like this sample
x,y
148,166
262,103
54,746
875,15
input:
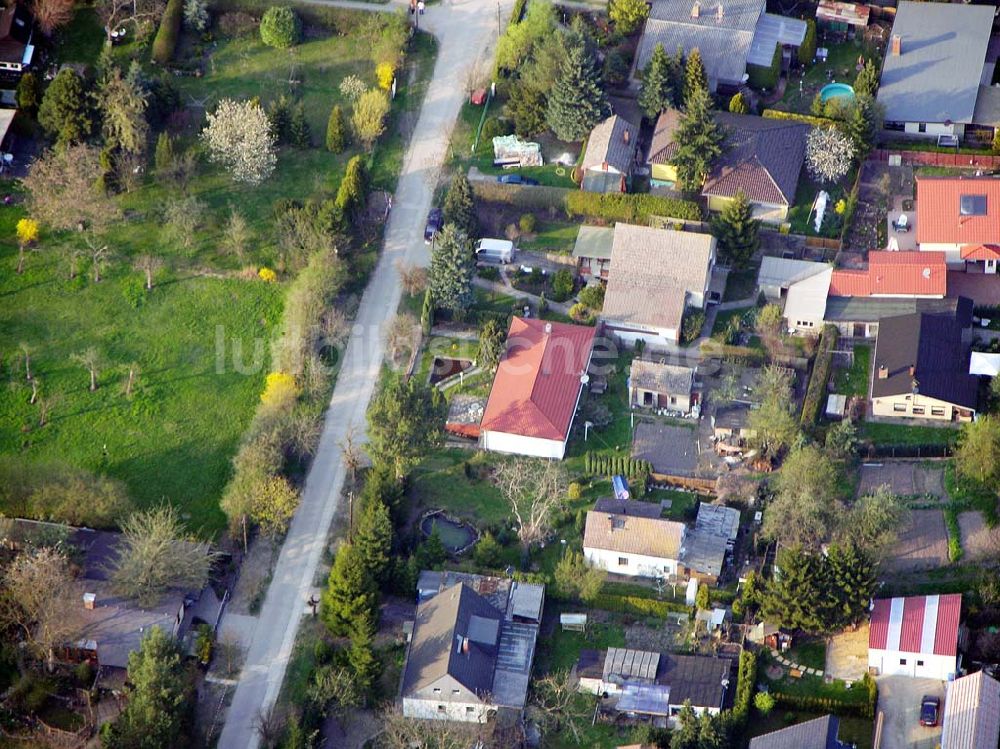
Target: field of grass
x,y
440,482
799,214
740,284
904,434
854,381
810,653
551,236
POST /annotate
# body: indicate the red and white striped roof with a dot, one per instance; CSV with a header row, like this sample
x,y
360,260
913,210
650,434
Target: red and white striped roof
x,y
919,624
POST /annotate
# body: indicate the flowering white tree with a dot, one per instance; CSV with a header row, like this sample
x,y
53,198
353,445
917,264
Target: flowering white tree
x,y
239,137
829,154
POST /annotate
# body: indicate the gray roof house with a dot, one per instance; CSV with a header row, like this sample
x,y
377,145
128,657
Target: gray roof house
x,y
730,34
610,155
656,274
820,733
472,647
935,69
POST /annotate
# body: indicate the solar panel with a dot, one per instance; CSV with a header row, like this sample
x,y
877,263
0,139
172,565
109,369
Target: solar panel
x,y
972,205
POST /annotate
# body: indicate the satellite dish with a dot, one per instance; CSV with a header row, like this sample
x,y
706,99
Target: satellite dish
x,y
584,379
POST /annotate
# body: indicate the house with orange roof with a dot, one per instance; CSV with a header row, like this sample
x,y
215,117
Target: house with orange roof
x,y
894,274
960,216
537,388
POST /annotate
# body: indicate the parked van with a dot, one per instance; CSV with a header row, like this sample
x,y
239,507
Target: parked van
x,y
495,250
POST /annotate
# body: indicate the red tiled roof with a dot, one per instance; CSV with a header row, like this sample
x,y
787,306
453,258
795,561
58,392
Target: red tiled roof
x,y
939,220
537,384
981,252
894,274
918,624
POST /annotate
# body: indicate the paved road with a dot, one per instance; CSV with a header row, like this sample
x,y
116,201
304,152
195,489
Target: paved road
x,y
466,31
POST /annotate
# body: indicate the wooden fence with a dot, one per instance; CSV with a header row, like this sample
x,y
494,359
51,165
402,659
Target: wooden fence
x,y
705,486
934,158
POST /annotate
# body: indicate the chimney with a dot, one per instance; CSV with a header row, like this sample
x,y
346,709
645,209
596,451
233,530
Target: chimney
x,y
626,136
719,13
465,645
883,372
696,9
913,371
897,45
89,601
548,328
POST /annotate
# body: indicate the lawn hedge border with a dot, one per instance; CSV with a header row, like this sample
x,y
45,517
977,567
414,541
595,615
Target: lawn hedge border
x,y
865,709
746,684
777,114
169,31
820,376
616,465
637,606
636,208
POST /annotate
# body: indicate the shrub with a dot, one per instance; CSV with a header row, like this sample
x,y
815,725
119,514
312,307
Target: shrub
x,y
170,28
574,491
384,73
592,297
955,550
746,682
27,231
694,321
268,275
280,28
776,114
562,285
279,387
527,223
581,313
816,392
633,208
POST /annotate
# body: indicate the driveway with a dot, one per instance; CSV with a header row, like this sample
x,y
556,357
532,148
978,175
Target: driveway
x,y
899,701
461,26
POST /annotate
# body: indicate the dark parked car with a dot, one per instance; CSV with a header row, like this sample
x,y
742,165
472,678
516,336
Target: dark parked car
x,y
435,219
516,179
930,708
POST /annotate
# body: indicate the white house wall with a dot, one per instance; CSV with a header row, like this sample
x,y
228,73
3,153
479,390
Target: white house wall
x,y
639,565
952,253
516,444
654,338
464,712
918,665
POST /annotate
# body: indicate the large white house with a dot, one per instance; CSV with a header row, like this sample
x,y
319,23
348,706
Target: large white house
x,y
915,636
537,388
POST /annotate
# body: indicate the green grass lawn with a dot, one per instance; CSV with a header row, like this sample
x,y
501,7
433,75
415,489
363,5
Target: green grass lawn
x,y
492,301
174,439
82,39
810,653
904,434
560,651
854,381
723,317
683,504
841,61
440,481
551,236
740,284
799,214
812,686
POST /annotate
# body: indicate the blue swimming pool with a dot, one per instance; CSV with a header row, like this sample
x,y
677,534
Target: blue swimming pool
x,y
836,91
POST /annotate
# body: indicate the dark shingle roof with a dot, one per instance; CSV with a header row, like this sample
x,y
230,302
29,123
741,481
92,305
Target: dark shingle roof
x,y
762,157
441,625
611,142
633,507
662,148
873,309
820,733
932,345
695,677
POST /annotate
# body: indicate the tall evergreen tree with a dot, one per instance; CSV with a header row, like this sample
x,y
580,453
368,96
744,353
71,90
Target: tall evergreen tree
x,y
373,538
64,112
862,124
298,127
695,78
699,141
361,657
797,595
852,577
158,699
459,206
402,423
866,84
656,93
353,186
807,50
685,735
577,101
350,592
336,131
737,231
452,267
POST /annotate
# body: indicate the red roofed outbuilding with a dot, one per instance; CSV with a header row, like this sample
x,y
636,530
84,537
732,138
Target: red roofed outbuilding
x,y
537,388
960,216
915,636
895,274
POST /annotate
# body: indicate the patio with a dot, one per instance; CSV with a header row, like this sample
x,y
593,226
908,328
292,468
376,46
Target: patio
x,y
900,238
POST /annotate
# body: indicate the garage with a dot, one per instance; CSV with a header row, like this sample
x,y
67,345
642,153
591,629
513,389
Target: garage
x,y
915,636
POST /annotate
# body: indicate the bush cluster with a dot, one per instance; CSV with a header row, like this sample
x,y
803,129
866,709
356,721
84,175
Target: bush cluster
x,y
777,114
170,28
634,208
637,606
816,392
845,708
616,465
746,682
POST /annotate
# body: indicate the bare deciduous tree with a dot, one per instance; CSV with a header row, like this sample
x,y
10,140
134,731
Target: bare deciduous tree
x,y
556,705
402,337
132,371
352,454
38,600
413,278
269,727
181,218
100,256
149,265
154,556
26,352
46,403
236,235
51,14
334,327
118,13
399,732
62,190
535,491
91,360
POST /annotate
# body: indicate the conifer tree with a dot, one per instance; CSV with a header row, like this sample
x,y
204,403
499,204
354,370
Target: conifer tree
x,y
373,538
656,93
737,231
866,83
336,131
699,141
452,266
577,101
695,78
361,657
298,127
350,592
459,207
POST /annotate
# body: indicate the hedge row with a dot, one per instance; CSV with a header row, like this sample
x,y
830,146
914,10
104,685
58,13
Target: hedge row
x,y
534,198
821,374
170,29
637,606
746,683
616,465
777,114
635,208
341,21
761,77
